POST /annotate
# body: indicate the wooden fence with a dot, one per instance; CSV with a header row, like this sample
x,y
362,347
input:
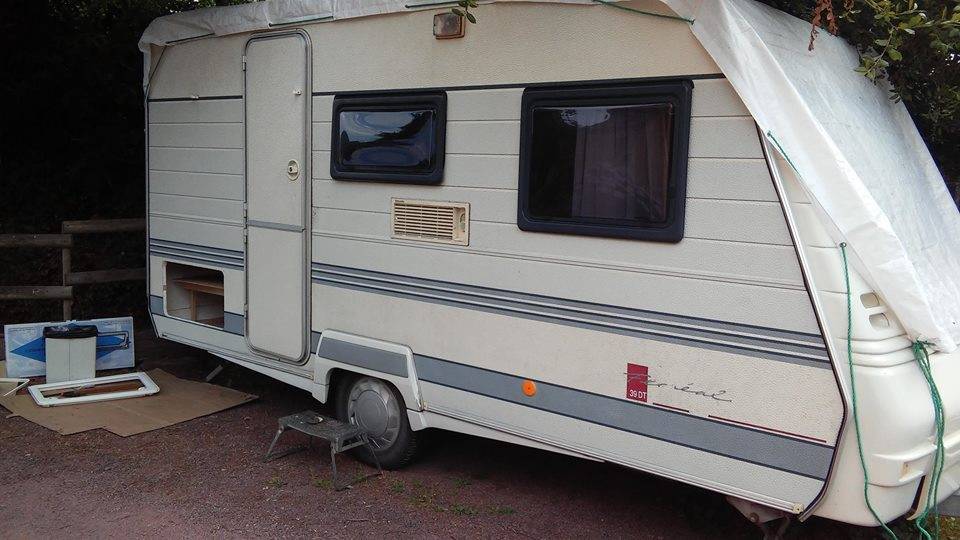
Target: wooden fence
x,y
64,242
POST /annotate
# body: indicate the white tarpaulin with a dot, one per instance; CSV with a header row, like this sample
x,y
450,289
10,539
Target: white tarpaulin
x,y
857,152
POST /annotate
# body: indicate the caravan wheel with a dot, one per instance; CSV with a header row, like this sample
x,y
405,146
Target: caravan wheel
x,y
377,407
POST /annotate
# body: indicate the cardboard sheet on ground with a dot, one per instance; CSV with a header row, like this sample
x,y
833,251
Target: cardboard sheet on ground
x,y
179,400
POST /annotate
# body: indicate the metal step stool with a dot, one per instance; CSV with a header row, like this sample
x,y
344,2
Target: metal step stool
x,y
341,436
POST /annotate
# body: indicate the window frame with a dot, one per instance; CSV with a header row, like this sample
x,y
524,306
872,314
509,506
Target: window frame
x,y
386,102
677,92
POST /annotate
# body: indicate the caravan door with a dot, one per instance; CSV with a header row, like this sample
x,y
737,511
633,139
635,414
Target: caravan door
x,y
277,106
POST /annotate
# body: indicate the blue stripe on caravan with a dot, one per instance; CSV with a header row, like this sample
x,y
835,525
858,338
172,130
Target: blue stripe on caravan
x,y
773,333
612,321
216,256
197,258
197,247
803,458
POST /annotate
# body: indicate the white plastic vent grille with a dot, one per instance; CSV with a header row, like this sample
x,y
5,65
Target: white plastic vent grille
x,y
431,221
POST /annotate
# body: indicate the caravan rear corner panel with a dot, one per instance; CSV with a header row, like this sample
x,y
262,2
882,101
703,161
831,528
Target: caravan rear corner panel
x,y
568,239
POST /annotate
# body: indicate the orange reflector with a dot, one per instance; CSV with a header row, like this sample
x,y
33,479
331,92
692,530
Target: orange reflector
x,y
529,388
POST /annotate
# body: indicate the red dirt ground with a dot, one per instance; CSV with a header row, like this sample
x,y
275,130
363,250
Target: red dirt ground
x,y
205,478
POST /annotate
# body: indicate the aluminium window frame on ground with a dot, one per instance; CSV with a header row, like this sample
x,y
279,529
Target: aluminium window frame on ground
x,y
388,101
678,93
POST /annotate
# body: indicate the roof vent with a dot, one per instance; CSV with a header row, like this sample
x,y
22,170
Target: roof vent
x,y
431,221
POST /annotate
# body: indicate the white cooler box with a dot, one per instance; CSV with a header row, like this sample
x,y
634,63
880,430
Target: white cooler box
x,y
71,352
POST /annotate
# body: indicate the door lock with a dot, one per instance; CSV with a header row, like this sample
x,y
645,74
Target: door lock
x,y
293,170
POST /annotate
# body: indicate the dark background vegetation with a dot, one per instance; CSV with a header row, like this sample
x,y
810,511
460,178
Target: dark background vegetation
x,y
71,128
72,143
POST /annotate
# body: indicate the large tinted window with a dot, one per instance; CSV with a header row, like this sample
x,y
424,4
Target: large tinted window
x,y
392,138
606,161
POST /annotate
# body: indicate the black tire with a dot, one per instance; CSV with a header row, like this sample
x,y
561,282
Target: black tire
x,y
393,452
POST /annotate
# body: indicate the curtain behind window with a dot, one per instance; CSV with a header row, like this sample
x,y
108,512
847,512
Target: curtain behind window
x,y
621,164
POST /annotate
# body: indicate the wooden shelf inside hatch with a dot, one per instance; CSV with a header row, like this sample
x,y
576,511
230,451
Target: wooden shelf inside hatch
x,y
198,286
202,285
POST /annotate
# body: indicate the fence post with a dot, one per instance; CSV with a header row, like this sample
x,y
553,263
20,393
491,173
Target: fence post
x,y
64,242
66,263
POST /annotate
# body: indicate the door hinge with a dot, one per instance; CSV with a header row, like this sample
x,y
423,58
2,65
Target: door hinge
x,y
244,60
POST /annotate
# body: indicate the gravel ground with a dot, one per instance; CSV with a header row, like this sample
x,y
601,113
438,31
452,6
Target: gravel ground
x,y
205,478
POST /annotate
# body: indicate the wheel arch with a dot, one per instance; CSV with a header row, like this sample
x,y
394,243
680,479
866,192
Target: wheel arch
x,y
341,355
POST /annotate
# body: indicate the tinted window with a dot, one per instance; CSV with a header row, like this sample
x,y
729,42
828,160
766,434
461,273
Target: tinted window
x,y
605,161
392,140
389,138
601,163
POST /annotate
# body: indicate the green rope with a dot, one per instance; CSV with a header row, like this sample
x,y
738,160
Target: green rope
x,y
853,394
782,152
923,361
922,357
641,12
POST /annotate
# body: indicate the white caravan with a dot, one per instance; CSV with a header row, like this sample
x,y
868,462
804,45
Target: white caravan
x,y
610,233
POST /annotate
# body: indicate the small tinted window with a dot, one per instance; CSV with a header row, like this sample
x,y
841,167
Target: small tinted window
x,y
606,161
390,138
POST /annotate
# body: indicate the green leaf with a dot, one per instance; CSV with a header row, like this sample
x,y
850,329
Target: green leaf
x,y
894,55
457,11
471,18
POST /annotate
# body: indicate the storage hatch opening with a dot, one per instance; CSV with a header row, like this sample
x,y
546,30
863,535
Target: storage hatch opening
x,y
194,294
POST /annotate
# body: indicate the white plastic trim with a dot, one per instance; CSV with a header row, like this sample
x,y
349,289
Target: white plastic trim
x,y
149,388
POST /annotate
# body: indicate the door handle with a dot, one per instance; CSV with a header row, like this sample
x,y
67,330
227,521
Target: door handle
x,y
293,170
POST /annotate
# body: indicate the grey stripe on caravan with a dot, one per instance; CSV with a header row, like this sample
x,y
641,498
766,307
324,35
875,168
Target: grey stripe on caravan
x,y
196,257
232,322
156,305
804,458
702,338
196,247
363,356
664,318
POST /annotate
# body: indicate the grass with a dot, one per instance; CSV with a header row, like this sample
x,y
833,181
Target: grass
x,y
323,483
397,486
426,498
276,482
949,527
462,481
463,509
503,510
